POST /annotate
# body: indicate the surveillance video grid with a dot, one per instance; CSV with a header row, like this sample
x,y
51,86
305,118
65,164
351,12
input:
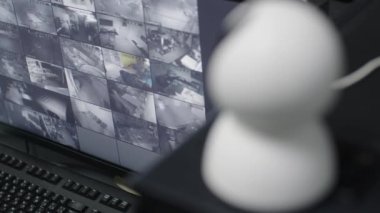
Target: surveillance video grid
x,y
13,66
35,14
130,70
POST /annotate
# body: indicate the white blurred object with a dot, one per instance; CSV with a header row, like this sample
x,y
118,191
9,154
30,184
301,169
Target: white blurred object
x,y
269,149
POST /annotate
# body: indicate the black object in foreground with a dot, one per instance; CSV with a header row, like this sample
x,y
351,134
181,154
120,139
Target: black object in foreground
x,y
176,184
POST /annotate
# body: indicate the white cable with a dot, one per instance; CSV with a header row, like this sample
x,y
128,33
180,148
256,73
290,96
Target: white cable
x,y
358,75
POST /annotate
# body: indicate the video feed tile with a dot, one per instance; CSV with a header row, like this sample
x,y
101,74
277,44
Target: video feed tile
x,y
79,4
9,38
38,99
50,103
178,115
76,24
7,12
47,76
137,132
35,14
178,83
127,9
15,91
13,66
175,14
43,46
93,117
26,119
123,35
98,145
127,69
171,139
135,102
3,112
61,132
83,57
136,158
43,125
174,47
88,88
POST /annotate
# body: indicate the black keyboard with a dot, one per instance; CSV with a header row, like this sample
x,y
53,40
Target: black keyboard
x,y
31,185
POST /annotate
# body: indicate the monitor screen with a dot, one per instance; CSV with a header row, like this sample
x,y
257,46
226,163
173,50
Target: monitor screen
x,y
120,80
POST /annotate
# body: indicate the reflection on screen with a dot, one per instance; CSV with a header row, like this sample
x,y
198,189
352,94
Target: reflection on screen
x,y
102,76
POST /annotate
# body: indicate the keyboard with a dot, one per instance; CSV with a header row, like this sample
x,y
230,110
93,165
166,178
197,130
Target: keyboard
x,y
28,184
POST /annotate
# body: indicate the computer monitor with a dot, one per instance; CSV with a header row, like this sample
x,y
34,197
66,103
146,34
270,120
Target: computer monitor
x,y
117,80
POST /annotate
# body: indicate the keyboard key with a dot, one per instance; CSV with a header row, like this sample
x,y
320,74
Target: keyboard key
x,y
105,199
68,184
123,205
93,194
114,202
55,179
76,206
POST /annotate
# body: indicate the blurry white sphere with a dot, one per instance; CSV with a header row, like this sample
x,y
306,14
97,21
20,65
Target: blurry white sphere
x,y
269,149
279,59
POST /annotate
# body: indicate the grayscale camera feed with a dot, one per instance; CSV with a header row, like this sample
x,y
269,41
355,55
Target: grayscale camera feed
x,y
42,46
123,35
9,38
80,4
38,99
175,14
35,14
93,117
174,47
135,102
7,12
88,88
88,72
83,57
3,112
76,24
137,132
42,125
13,66
128,69
127,9
184,118
62,132
178,83
47,76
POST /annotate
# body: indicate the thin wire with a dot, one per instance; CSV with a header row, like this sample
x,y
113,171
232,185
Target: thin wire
x,y
358,75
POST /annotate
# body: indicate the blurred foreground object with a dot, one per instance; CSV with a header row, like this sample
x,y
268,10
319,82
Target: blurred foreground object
x,y
269,149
